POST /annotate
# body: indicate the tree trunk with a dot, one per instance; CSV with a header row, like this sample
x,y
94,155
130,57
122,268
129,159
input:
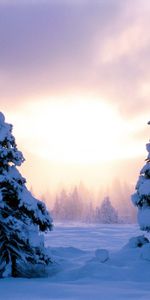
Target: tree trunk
x,y
14,266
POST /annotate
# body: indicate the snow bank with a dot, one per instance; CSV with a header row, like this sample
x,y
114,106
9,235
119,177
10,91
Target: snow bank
x,y
145,252
137,242
80,274
102,255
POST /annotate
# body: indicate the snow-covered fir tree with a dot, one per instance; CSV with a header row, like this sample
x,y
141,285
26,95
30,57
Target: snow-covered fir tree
x,y
22,217
141,198
106,214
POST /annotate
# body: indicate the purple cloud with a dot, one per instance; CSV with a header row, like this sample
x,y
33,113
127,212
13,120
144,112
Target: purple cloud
x,y
62,46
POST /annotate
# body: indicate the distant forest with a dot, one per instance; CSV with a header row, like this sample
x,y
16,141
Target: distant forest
x,y
109,205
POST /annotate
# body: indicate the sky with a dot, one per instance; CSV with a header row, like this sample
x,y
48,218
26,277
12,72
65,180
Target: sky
x,y
74,82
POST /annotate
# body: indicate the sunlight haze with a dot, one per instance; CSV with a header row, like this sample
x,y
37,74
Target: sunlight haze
x,y
75,86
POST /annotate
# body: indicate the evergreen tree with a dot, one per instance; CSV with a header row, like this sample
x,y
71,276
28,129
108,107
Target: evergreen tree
x,y
22,217
141,198
76,205
59,211
89,213
106,214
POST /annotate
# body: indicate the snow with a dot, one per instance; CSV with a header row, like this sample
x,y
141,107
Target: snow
x,y
141,198
144,188
136,242
22,217
15,174
135,199
8,149
148,147
79,273
145,253
145,169
5,129
32,204
2,118
144,218
102,255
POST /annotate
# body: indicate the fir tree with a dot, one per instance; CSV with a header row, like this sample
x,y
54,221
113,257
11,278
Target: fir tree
x,y
106,214
141,198
22,217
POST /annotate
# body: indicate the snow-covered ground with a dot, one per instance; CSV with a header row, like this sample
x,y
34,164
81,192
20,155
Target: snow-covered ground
x,y
81,271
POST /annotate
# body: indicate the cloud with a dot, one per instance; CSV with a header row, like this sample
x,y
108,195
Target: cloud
x,y
67,46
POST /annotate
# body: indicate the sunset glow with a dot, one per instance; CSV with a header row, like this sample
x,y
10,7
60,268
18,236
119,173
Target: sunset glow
x,y
77,131
74,82
82,131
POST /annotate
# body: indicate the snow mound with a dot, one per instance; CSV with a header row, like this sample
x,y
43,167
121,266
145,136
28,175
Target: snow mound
x,y
102,255
77,274
145,252
137,242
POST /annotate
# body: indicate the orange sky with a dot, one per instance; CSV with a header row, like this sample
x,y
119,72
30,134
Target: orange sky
x,y
74,82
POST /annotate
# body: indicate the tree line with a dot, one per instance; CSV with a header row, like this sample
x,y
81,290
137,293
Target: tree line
x,y
76,205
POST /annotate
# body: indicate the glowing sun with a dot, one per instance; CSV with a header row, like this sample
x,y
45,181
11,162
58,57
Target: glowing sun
x,y
73,130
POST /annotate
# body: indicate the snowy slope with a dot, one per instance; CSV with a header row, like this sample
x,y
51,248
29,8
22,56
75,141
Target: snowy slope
x,y
79,273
